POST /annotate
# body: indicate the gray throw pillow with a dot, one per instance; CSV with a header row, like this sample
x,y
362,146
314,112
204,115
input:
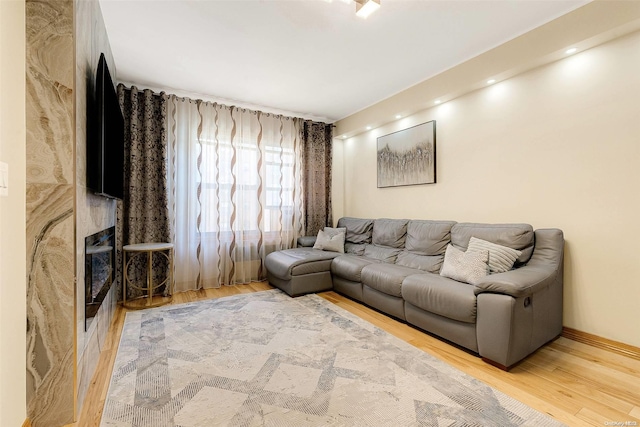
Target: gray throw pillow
x,y
326,242
501,258
466,267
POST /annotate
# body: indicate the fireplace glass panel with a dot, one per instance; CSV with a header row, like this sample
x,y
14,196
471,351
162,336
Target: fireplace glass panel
x,y
99,260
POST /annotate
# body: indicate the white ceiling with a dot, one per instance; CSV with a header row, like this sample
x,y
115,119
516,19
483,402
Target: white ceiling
x,y
308,58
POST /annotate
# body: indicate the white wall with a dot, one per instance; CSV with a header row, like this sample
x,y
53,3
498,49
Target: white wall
x,y
12,215
558,146
337,180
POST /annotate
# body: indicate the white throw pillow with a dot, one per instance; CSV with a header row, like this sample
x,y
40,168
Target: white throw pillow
x,y
501,258
466,267
326,242
331,231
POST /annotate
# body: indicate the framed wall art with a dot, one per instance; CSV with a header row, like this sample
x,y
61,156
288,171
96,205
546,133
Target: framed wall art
x,y
408,157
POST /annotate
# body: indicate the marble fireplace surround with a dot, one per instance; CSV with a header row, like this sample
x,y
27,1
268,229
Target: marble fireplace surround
x,y
64,39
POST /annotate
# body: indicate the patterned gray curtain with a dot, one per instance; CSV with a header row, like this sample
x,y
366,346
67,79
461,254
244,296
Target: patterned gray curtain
x,y
143,214
316,146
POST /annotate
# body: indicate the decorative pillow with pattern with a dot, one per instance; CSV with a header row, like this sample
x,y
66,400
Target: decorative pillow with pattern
x,y
326,242
501,258
467,267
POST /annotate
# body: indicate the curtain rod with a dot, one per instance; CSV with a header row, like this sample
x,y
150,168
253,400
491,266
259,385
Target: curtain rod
x,y
187,99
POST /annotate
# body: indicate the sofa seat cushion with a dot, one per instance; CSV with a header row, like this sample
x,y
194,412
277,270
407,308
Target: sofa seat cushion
x,y
442,296
350,266
299,261
387,278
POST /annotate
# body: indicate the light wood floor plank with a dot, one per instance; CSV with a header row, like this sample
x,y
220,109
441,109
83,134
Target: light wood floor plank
x,y
578,385
586,382
598,355
573,382
610,380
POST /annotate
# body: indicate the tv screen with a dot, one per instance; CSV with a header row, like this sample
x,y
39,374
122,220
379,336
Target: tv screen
x,y
105,142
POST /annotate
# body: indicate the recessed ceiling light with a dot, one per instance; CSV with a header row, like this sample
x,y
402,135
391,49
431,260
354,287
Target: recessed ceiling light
x,y
398,116
571,50
437,101
491,81
368,127
344,136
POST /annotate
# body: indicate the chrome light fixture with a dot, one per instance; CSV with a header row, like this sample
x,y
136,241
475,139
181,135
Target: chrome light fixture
x,y
365,8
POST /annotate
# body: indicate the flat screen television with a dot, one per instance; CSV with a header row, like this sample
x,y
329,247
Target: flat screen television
x,y
105,138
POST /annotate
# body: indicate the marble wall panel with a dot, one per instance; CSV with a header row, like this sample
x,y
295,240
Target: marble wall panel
x,y
50,198
88,363
50,304
93,213
50,98
61,62
95,342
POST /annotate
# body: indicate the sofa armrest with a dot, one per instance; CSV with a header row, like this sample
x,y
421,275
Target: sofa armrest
x,y
543,269
306,241
524,281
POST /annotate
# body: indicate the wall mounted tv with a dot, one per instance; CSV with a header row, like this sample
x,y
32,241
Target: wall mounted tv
x,y
105,137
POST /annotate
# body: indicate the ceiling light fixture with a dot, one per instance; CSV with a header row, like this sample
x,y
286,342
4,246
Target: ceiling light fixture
x,y
398,116
368,127
571,50
437,101
365,8
490,82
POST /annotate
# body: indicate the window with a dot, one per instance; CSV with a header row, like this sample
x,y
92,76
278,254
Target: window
x,y
277,190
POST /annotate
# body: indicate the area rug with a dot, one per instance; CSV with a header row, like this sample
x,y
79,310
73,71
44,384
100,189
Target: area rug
x,y
265,359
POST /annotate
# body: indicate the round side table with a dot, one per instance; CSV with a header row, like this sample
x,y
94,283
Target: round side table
x,y
129,253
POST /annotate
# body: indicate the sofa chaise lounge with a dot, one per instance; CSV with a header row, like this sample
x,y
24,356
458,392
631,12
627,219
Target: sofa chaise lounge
x,y
395,266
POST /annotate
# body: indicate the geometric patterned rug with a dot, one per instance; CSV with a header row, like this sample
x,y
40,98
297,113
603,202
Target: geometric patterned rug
x,y
266,359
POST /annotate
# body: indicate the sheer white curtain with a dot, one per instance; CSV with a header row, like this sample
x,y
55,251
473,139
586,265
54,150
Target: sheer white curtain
x,y
235,191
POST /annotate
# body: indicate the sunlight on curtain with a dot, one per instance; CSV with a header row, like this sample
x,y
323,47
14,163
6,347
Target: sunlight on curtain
x,y
235,191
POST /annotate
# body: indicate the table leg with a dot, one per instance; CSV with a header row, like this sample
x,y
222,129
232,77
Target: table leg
x,y
124,277
171,282
150,278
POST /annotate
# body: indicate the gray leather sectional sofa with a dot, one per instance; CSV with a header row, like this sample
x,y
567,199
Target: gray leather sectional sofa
x,y
393,265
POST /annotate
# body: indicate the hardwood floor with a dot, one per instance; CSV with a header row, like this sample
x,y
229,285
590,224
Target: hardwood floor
x,y
573,382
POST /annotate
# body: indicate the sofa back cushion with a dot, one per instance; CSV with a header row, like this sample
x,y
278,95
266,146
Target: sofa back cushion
x,y
428,237
381,253
358,230
515,236
390,232
354,248
428,263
